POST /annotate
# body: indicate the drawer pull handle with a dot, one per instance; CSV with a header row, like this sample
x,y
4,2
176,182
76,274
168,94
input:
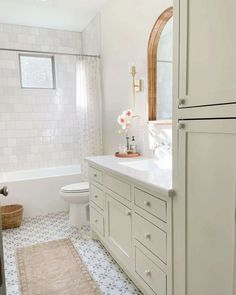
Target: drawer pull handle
x,y
96,221
147,236
147,203
128,213
96,196
148,272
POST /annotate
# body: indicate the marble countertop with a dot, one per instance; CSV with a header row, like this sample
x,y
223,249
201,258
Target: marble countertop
x,y
157,175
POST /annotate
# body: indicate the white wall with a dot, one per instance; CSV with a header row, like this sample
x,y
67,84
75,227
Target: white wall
x,y
124,28
39,127
91,37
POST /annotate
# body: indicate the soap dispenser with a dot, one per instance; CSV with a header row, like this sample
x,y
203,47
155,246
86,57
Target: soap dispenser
x,y
133,146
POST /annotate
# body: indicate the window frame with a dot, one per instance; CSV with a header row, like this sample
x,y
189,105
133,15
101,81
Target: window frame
x,y
53,68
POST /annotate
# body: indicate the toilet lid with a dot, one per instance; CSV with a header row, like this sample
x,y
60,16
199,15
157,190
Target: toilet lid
x,y
80,187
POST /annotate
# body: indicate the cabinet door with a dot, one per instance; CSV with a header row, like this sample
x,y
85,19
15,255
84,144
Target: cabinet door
x,y
119,229
204,209
207,65
4,192
2,274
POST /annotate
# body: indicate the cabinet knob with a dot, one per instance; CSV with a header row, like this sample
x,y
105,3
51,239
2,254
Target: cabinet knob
x,y
128,213
147,236
95,175
180,101
147,203
96,220
181,125
147,272
96,196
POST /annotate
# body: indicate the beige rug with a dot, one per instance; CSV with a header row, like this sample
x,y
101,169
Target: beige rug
x,y
54,268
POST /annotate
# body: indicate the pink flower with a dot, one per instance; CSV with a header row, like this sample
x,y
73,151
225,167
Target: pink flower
x,y
128,113
125,119
121,120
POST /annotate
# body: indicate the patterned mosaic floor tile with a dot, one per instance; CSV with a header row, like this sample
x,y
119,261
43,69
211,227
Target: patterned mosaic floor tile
x,y
107,273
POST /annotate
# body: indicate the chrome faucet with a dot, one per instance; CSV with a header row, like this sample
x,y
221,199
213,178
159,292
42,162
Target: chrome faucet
x,y
154,148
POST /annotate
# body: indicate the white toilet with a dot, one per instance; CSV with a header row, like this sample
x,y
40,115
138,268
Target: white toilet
x,y
77,194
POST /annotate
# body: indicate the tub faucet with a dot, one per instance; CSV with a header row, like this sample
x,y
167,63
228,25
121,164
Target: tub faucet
x,y
4,191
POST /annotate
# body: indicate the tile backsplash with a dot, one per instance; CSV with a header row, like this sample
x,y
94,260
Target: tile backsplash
x,y
39,39
153,139
38,127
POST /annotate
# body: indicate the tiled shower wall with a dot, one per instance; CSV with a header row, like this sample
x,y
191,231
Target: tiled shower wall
x,y
38,127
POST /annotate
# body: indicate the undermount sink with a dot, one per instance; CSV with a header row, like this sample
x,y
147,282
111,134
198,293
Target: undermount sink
x,y
147,164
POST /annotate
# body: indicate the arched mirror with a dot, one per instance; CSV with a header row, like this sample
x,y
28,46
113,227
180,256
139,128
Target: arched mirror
x,y
160,65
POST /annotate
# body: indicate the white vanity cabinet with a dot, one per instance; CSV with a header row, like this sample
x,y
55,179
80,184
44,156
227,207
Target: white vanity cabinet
x,y
204,209
204,149
207,52
134,223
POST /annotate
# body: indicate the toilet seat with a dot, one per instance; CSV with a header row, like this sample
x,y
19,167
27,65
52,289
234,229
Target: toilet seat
x,y
80,187
76,193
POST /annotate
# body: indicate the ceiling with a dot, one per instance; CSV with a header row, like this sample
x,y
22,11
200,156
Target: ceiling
x,y
72,15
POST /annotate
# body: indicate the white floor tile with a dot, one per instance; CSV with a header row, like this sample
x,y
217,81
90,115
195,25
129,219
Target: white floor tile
x,y
109,276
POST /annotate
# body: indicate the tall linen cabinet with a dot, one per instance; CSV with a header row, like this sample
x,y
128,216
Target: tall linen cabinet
x,y
204,124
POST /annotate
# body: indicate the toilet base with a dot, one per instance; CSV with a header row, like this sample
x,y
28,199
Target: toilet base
x,y
79,214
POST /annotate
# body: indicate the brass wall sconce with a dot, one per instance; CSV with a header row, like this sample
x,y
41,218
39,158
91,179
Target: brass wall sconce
x,y
137,84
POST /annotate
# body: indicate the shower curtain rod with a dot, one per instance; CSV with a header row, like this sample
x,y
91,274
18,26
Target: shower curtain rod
x,y
48,52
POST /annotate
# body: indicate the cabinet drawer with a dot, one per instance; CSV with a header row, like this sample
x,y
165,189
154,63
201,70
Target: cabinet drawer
x,y
150,236
150,203
95,175
97,220
97,196
117,186
152,275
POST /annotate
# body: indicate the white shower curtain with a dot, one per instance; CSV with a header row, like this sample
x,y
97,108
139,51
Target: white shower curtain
x,y
89,108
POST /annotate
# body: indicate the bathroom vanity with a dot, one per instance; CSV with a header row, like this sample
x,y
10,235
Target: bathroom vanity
x,y
130,207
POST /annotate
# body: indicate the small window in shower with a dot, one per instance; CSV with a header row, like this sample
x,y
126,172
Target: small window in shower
x,y
37,71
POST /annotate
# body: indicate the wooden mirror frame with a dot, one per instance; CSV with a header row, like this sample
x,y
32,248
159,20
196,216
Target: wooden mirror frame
x,y
152,61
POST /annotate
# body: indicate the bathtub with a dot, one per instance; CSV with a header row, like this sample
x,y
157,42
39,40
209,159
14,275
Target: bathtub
x,y
38,190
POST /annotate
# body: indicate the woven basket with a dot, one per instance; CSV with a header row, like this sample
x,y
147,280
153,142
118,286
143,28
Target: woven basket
x,y
11,216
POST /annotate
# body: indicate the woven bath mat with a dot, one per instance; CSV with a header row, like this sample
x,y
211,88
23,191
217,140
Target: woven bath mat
x,y
54,268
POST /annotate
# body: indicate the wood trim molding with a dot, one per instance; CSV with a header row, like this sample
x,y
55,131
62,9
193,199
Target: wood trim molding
x,y
152,61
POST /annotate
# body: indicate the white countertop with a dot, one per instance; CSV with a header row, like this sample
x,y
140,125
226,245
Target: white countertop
x,y
145,171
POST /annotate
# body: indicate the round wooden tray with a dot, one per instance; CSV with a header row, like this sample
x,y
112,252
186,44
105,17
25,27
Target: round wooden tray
x,y
129,155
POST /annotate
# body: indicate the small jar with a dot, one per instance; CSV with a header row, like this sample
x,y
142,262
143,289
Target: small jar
x,y
122,149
